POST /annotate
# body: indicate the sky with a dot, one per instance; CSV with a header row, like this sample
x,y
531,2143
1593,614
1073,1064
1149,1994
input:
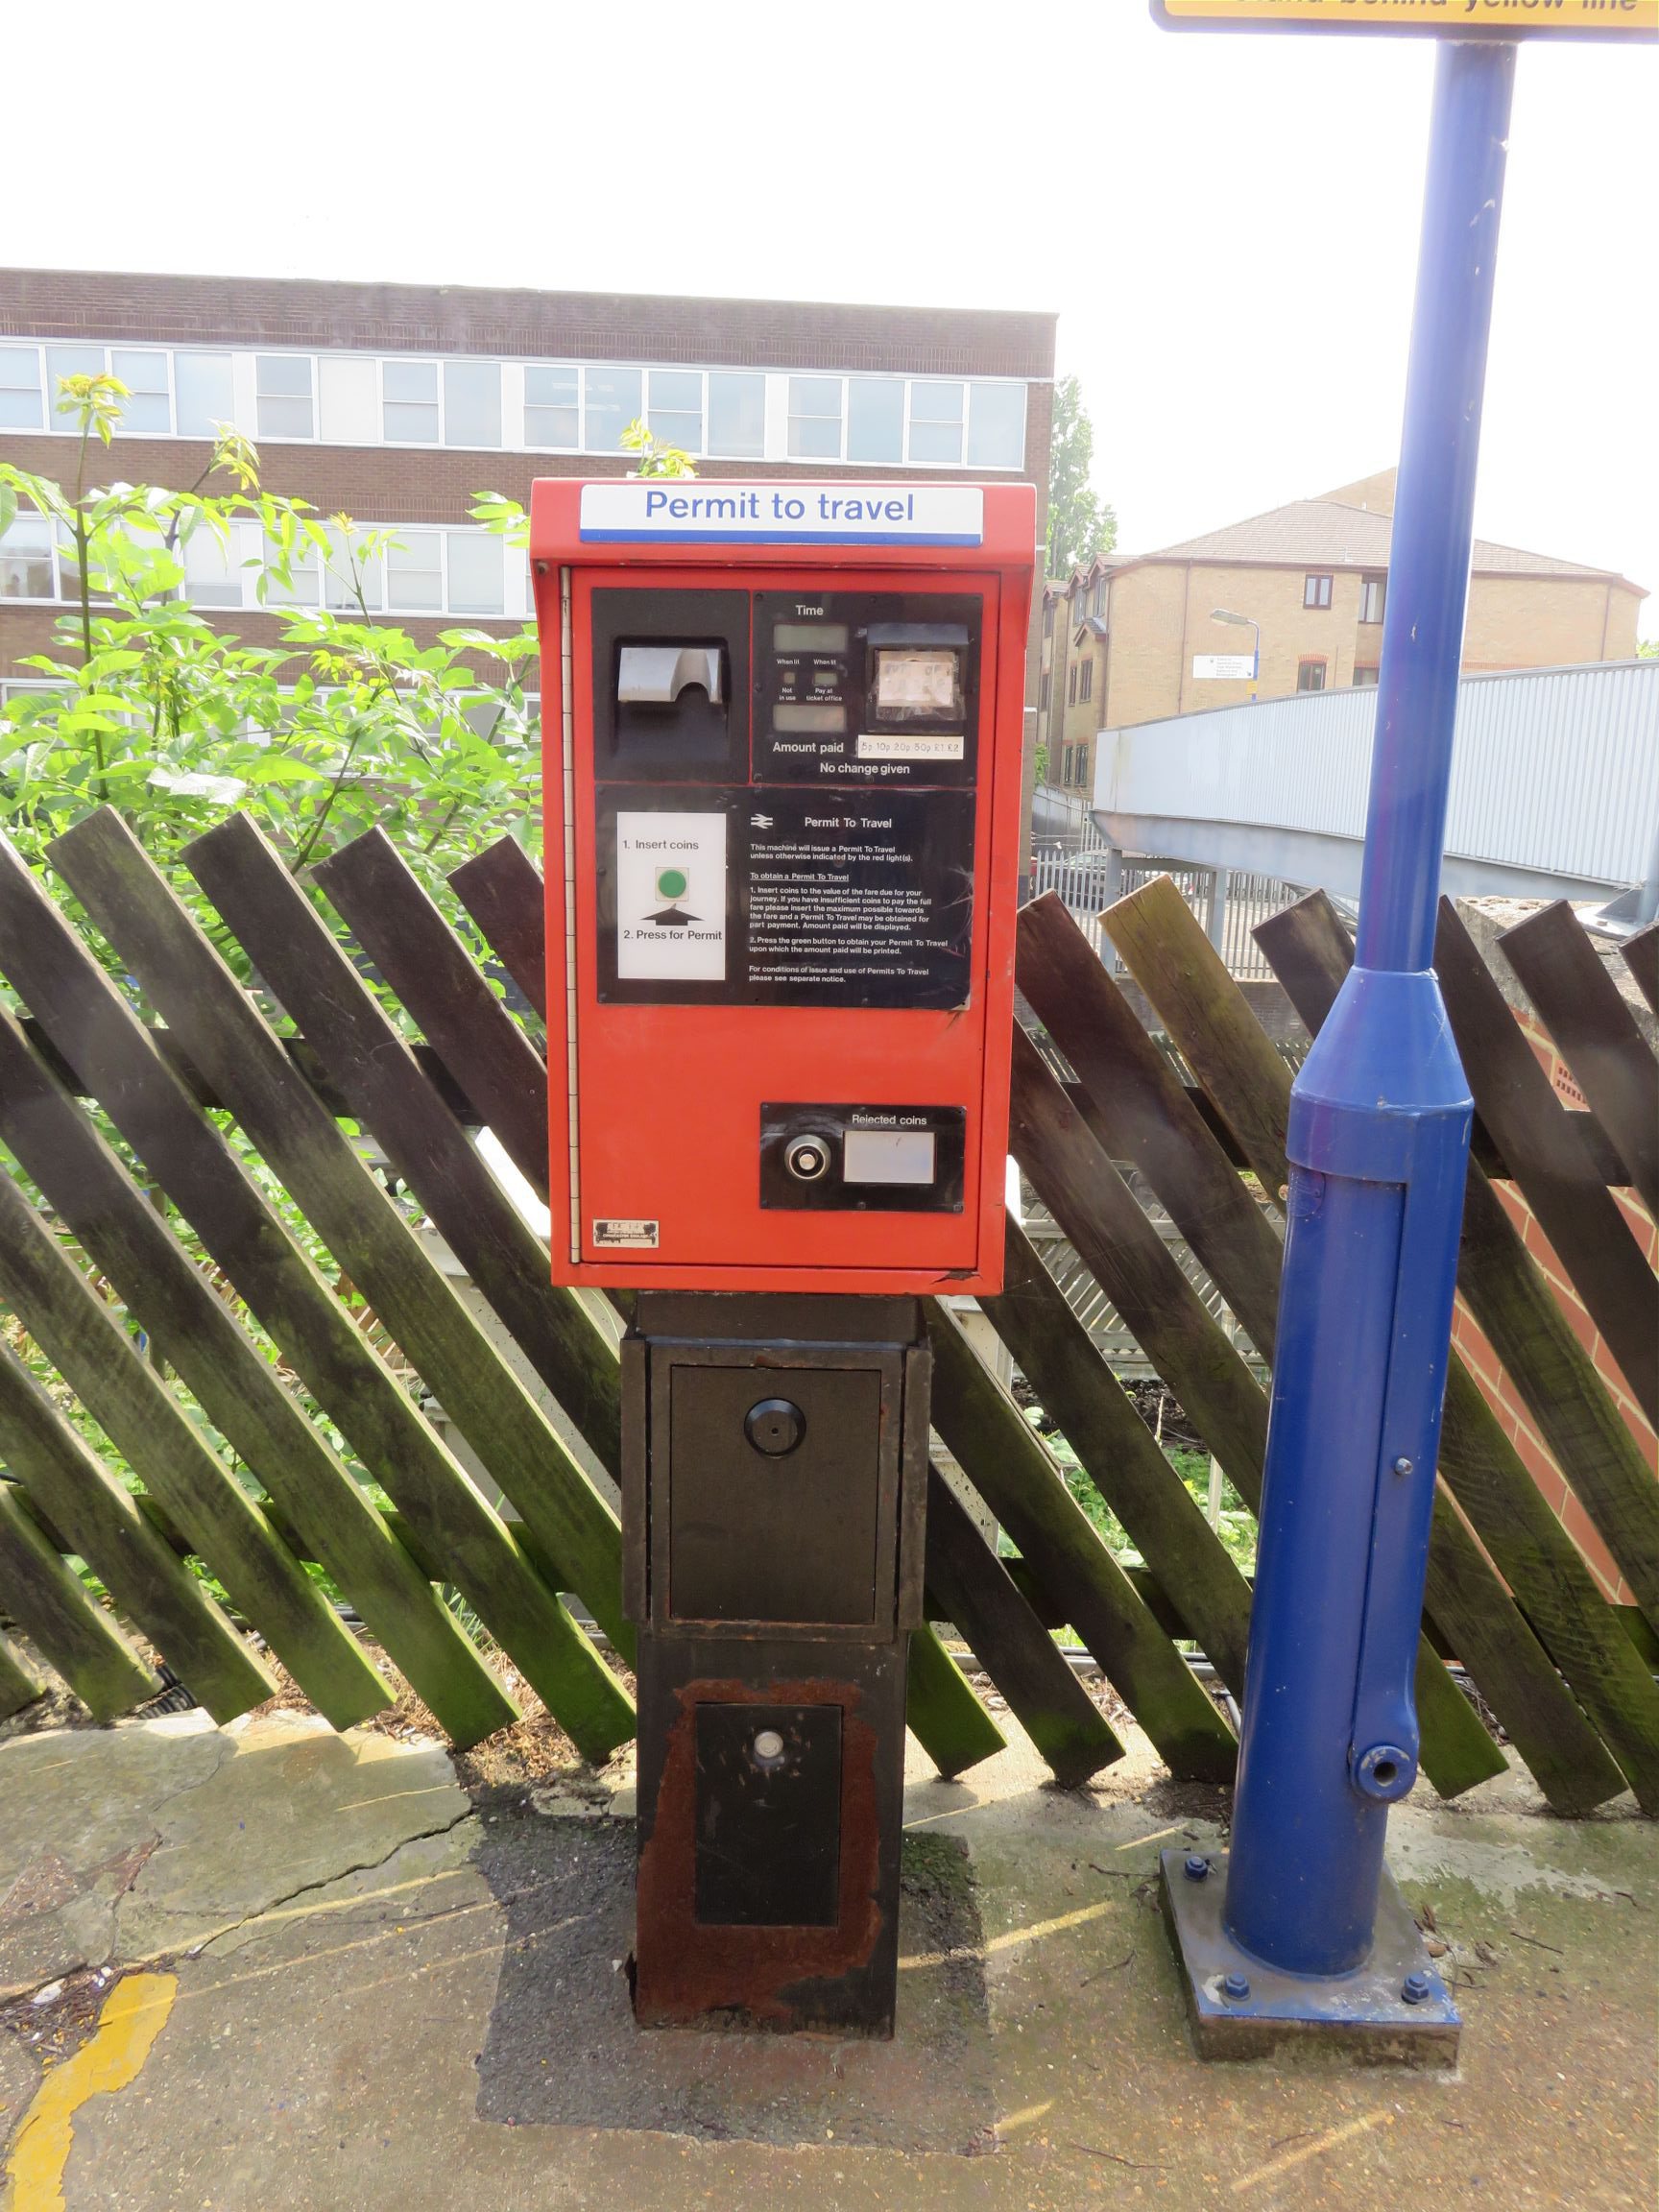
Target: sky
x,y
1225,224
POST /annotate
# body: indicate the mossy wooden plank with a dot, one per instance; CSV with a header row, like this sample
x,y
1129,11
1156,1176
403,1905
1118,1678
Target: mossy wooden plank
x,y
226,1528
1249,1086
436,978
224,1034
502,889
1116,1451
942,1713
1551,1164
1580,1005
1554,1588
18,1686
1310,950
1001,1457
1226,1048
73,1632
1209,1021
1140,1110
1509,1296
1137,1271
1128,1095
420,956
98,1032
97,1516
241,1394
969,1587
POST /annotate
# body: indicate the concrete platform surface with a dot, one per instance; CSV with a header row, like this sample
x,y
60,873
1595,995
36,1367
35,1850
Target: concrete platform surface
x,y
266,1968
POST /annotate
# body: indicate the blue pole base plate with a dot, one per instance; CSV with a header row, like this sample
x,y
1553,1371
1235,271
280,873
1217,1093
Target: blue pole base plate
x,y
1365,2014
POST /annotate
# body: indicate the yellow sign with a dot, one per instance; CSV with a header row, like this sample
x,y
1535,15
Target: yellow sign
x,y
1438,18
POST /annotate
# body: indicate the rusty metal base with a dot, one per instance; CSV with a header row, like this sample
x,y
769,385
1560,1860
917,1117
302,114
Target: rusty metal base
x,y
1363,2014
743,1923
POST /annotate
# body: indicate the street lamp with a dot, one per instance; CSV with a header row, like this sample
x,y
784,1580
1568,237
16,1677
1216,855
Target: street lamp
x,y
1245,622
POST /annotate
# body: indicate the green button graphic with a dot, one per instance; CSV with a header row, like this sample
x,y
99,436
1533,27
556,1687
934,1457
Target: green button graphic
x,y
670,882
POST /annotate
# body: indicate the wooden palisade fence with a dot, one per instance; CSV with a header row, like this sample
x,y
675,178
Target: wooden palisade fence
x,y
1509,1597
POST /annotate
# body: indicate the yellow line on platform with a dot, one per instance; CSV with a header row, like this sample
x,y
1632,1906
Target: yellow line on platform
x,y
135,2014
1320,2144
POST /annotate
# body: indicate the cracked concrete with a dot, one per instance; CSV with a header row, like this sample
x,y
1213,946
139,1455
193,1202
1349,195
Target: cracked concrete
x,y
161,1836
322,2050
82,1813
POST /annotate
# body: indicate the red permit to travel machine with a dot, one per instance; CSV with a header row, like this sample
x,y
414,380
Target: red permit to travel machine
x,y
783,729
784,739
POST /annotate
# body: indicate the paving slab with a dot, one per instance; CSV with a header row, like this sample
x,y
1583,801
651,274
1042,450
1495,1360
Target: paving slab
x,y
81,1811
333,2046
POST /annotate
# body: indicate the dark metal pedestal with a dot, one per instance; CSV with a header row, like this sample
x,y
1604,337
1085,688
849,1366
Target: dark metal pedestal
x,y
1393,2009
775,1465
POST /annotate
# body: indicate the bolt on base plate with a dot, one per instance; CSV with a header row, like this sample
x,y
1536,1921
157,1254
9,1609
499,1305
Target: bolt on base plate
x,y
1241,2008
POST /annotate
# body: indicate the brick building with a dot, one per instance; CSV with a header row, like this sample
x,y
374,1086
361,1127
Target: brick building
x,y
396,404
1312,580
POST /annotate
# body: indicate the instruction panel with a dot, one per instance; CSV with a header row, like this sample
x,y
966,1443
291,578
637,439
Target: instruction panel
x,y
783,897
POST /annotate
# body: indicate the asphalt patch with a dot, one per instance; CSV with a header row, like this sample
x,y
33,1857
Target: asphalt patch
x,y
562,2049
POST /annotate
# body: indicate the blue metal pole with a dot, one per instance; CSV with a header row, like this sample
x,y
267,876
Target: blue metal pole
x,y
1378,1143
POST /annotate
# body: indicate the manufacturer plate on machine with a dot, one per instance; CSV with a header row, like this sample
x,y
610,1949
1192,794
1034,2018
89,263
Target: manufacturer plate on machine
x,y
639,1235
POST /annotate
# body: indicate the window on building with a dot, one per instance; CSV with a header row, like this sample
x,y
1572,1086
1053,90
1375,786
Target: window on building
x,y
471,403
736,416
1097,598
815,418
415,572
553,408
1045,687
1071,685
20,388
204,393
1086,681
350,569
612,395
145,375
1365,678
476,573
282,385
1048,618
676,417
1315,590
305,585
1373,591
68,361
26,559
1309,675
409,401
212,570
875,418
996,426
936,421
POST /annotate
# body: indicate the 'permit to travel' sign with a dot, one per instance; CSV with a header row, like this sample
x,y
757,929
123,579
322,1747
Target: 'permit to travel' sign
x,y
1443,18
682,509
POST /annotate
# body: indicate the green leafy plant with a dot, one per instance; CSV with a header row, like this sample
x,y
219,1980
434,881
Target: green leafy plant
x,y
148,705
656,459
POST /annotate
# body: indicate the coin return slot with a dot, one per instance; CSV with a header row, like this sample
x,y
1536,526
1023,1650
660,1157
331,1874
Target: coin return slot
x,y
887,1156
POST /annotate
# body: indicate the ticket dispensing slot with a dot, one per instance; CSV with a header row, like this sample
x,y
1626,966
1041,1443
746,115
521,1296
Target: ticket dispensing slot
x,y
670,697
